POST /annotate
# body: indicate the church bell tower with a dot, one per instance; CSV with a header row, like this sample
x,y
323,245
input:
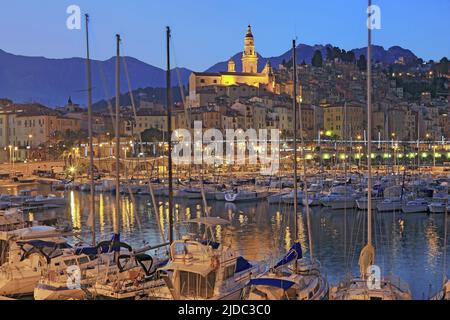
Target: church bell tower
x,y
249,57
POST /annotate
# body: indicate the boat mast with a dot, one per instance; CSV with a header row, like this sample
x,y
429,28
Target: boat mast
x,y
294,63
91,147
169,135
116,220
305,184
369,129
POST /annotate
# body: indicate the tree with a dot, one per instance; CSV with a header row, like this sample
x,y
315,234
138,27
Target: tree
x,y
151,135
330,56
317,60
362,63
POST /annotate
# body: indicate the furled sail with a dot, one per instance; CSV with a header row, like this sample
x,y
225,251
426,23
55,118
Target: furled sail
x,y
366,259
294,253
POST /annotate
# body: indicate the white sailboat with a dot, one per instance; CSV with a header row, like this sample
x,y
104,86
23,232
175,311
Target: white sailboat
x,y
25,252
369,286
293,277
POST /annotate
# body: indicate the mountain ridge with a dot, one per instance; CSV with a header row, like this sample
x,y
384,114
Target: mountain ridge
x,y
51,81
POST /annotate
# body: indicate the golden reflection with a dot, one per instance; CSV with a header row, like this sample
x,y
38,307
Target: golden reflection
x,y
287,239
74,211
177,214
278,219
188,213
241,219
30,216
161,215
125,215
219,233
432,239
101,213
401,223
302,237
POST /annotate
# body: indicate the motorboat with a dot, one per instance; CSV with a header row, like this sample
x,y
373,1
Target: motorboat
x,y
415,206
390,204
243,195
204,269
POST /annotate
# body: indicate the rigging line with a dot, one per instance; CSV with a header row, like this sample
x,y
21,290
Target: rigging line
x,y
188,123
140,141
133,199
107,95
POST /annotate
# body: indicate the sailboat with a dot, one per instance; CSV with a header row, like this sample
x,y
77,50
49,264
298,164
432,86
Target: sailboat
x,y
369,285
294,277
24,254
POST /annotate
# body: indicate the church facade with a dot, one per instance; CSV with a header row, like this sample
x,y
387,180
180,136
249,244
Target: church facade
x,y
249,74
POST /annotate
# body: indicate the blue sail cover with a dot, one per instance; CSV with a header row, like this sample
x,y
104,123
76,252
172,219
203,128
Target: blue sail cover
x,y
278,283
294,253
242,264
102,247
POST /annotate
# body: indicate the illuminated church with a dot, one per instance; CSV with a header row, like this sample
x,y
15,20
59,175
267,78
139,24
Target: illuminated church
x,y
249,74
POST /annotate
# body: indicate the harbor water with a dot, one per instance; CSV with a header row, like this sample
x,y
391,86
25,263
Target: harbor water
x,y
408,245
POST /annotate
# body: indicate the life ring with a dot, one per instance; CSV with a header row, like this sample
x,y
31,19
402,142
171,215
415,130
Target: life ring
x,y
230,196
215,262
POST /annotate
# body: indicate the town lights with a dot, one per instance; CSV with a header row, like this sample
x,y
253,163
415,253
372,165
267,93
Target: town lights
x,y
72,170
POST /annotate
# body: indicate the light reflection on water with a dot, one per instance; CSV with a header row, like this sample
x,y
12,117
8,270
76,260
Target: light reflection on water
x,y
410,246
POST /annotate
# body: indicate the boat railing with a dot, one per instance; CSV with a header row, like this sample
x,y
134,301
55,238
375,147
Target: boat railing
x,y
397,282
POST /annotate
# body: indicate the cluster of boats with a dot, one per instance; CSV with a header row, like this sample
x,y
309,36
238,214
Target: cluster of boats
x,y
414,194
27,201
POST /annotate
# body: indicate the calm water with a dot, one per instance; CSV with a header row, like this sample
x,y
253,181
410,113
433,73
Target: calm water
x,y
410,246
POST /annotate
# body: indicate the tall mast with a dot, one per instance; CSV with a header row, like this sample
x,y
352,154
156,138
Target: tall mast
x,y
305,184
294,63
91,147
169,135
116,221
369,129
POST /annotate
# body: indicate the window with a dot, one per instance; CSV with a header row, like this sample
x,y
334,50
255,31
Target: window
x,y
194,285
229,271
202,80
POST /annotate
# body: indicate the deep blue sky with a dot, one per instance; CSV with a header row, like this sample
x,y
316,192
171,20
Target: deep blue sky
x,y
208,31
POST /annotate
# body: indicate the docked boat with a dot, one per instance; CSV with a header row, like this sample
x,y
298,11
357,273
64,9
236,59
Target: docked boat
x,y
203,270
244,195
24,254
11,219
342,202
390,204
277,196
49,201
444,294
415,206
370,284
438,207
361,203
292,278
